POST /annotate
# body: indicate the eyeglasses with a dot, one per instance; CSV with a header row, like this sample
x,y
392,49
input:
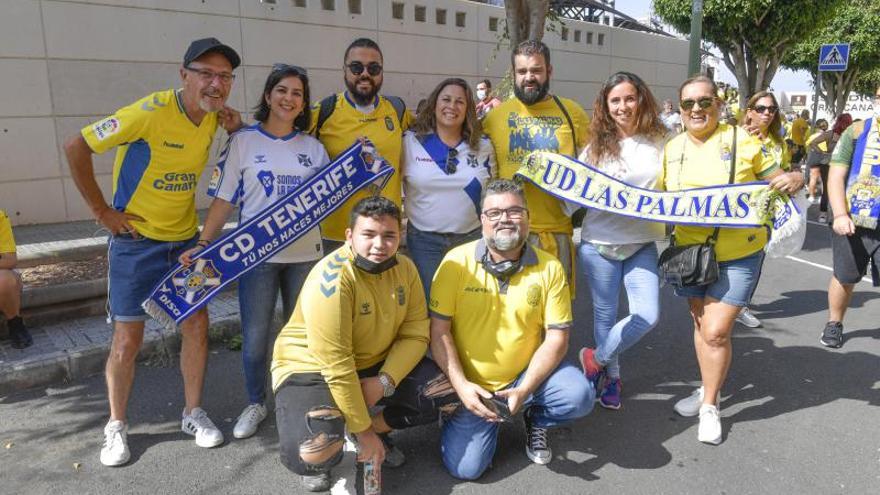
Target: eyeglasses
x,y
208,75
357,68
764,108
513,213
451,161
704,103
278,66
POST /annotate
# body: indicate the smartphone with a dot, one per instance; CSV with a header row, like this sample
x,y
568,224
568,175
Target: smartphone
x,y
498,406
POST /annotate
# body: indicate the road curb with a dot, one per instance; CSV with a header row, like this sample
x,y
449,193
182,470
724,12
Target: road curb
x,y
67,366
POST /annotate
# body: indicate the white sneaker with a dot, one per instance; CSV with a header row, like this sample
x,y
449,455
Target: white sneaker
x,y
710,425
115,450
249,420
747,318
199,425
690,405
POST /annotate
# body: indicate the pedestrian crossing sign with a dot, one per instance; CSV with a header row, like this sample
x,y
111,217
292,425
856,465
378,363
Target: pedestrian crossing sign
x,y
834,57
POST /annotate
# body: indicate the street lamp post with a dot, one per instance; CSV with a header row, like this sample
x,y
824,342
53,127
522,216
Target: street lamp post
x,y
696,37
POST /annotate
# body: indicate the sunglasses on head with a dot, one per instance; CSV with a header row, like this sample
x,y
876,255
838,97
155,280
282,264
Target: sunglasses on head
x,y
704,103
278,66
357,68
765,108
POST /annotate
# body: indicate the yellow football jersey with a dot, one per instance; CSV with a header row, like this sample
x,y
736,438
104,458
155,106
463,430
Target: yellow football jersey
x,y
161,154
7,241
345,126
517,130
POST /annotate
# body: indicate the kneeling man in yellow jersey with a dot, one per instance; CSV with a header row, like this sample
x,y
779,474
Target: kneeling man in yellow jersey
x,y
500,321
357,339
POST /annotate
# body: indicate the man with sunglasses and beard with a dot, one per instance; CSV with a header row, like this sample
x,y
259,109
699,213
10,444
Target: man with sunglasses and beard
x,y
163,141
537,120
500,322
360,111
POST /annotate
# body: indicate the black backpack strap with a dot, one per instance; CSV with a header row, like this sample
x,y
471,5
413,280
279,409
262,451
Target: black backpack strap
x,y
327,106
399,108
574,138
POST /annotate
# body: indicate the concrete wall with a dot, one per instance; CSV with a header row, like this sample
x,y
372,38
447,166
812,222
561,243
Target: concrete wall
x,y
64,64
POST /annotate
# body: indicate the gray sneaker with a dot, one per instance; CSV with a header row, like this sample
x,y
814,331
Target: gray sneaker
x,y
317,482
748,319
832,335
537,444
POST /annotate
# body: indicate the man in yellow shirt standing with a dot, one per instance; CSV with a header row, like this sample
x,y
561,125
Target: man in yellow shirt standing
x,y
356,340
536,120
799,129
10,287
500,323
360,111
162,142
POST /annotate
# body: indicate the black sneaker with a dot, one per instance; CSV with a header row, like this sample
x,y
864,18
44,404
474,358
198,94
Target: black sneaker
x,y
18,333
394,458
317,482
832,336
537,444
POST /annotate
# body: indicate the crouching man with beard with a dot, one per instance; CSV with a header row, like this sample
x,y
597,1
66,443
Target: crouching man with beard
x,y
500,320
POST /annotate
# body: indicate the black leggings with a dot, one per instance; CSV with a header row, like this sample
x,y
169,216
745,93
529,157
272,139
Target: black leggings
x,y
308,419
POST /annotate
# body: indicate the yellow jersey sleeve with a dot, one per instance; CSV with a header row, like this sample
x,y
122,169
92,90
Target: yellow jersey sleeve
x,y
412,338
127,125
581,122
7,240
762,160
444,287
557,306
327,313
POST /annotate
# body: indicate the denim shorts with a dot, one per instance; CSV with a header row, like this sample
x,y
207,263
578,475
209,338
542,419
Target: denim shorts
x,y
737,280
136,266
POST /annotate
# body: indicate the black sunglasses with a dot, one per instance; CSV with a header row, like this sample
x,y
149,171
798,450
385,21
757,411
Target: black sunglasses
x,y
357,68
278,66
704,103
764,108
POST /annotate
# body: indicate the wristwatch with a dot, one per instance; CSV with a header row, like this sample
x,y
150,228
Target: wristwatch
x,y
388,387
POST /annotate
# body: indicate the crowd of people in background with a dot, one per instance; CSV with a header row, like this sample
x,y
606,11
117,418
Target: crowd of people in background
x,y
488,282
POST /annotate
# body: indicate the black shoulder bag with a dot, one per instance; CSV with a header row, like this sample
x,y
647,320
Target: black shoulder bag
x,y
694,264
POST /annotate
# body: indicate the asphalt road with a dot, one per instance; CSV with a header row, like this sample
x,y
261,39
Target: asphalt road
x,y
798,418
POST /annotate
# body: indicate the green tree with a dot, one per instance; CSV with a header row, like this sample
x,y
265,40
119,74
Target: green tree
x,y
868,83
858,23
752,35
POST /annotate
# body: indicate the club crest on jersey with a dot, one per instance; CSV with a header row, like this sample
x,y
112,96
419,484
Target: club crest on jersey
x,y
725,152
304,160
472,160
267,180
192,283
106,128
365,308
389,124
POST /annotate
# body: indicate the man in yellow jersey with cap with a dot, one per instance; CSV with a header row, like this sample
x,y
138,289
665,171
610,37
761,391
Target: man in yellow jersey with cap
x,y
536,120
162,142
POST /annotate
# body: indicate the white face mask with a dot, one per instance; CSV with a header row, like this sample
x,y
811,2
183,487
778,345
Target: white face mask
x,y
481,94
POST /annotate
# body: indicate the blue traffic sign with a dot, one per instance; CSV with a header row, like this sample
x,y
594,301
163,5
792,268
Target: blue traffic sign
x,y
834,57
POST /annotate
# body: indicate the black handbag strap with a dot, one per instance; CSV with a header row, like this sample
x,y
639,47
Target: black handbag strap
x,y
574,138
714,236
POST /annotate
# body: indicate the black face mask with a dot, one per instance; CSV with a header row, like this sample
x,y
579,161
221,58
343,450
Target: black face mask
x,y
503,269
373,267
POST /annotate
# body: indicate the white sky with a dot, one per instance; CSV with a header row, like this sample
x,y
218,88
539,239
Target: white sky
x,y
785,80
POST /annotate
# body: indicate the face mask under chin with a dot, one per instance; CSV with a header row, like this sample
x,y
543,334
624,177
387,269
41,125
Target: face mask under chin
x,y
373,267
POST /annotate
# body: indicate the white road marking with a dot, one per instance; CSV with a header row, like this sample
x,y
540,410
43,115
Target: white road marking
x,y
823,267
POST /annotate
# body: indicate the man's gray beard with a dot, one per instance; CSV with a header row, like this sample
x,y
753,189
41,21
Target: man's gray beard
x,y
206,107
503,242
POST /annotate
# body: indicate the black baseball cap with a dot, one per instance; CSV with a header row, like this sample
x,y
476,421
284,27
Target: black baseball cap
x,y
200,47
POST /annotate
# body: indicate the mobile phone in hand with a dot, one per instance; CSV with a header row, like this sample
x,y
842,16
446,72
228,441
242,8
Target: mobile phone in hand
x,y
498,406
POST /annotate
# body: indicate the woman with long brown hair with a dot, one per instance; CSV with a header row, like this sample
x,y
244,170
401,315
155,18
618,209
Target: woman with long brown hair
x,y
446,162
626,142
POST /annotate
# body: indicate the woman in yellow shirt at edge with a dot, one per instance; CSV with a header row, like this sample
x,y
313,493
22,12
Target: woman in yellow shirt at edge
x,y
701,157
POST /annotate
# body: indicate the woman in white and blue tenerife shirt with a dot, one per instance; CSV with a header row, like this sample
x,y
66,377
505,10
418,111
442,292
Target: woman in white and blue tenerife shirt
x,y
261,164
446,163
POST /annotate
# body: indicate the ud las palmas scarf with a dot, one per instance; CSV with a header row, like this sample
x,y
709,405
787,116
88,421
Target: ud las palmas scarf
x,y
185,289
751,204
863,182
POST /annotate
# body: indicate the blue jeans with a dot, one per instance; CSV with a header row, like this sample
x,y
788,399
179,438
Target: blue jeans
x,y
257,295
427,250
638,274
467,443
